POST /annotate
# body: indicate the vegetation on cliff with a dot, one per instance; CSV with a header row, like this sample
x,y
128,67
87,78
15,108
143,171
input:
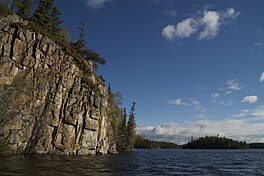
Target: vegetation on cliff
x,y
122,135
43,17
215,142
45,20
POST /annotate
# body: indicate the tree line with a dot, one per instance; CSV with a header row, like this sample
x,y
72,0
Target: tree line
x,y
144,143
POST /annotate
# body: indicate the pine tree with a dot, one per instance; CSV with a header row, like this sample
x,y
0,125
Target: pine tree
x,y
47,18
113,124
54,26
80,46
131,129
42,15
121,142
24,9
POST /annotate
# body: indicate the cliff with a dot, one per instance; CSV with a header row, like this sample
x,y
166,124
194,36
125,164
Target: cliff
x,y
46,107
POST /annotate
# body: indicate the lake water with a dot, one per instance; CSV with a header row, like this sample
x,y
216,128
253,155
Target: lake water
x,y
140,162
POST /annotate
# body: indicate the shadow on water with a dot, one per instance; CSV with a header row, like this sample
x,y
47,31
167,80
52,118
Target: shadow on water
x,y
140,162
69,165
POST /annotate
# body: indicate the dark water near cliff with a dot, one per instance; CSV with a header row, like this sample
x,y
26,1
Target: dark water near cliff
x,y
141,162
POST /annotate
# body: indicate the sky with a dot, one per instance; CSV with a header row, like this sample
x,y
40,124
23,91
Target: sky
x,y
193,67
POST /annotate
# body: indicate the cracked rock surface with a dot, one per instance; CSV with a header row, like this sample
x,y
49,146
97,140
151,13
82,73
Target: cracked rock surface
x,y
45,107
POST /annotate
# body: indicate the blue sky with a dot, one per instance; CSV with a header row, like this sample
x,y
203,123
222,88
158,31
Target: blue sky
x,y
193,67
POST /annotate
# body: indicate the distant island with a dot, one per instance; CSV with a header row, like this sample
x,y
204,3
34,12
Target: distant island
x,y
207,142
215,142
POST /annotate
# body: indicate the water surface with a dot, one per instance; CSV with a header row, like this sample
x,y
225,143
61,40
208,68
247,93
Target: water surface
x,y
140,162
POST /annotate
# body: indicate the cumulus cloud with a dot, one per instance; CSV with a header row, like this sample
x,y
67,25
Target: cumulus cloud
x,y
233,128
232,86
96,4
183,29
211,21
250,99
261,79
208,25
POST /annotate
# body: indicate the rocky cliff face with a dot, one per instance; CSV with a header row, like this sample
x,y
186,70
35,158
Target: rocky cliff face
x,y
45,107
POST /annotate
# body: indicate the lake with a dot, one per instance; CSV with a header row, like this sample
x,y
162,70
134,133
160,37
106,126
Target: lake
x,y
140,162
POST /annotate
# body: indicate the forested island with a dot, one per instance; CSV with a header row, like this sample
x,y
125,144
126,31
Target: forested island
x,y
215,142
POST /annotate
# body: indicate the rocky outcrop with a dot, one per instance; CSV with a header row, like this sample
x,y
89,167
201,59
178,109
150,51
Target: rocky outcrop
x,y
45,106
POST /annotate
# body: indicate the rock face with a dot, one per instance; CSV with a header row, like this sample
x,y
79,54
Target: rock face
x,y
45,106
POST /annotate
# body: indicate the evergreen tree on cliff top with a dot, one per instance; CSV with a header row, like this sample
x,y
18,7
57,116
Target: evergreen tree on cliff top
x,y
131,129
47,17
42,15
24,8
80,47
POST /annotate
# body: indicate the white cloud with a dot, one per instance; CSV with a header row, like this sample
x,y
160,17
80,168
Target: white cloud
x,y
193,103
233,128
178,102
169,32
208,25
232,86
250,99
214,95
242,113
231,13
257,113
183,29
211,21
96,4
261,79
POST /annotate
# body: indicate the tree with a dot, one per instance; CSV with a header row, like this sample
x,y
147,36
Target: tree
x,y
80,47
46,17
42,15
55,21
131,129
114,118
24,9
121,142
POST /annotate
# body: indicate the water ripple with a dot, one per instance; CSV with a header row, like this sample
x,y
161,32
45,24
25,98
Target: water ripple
x,y
140,162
